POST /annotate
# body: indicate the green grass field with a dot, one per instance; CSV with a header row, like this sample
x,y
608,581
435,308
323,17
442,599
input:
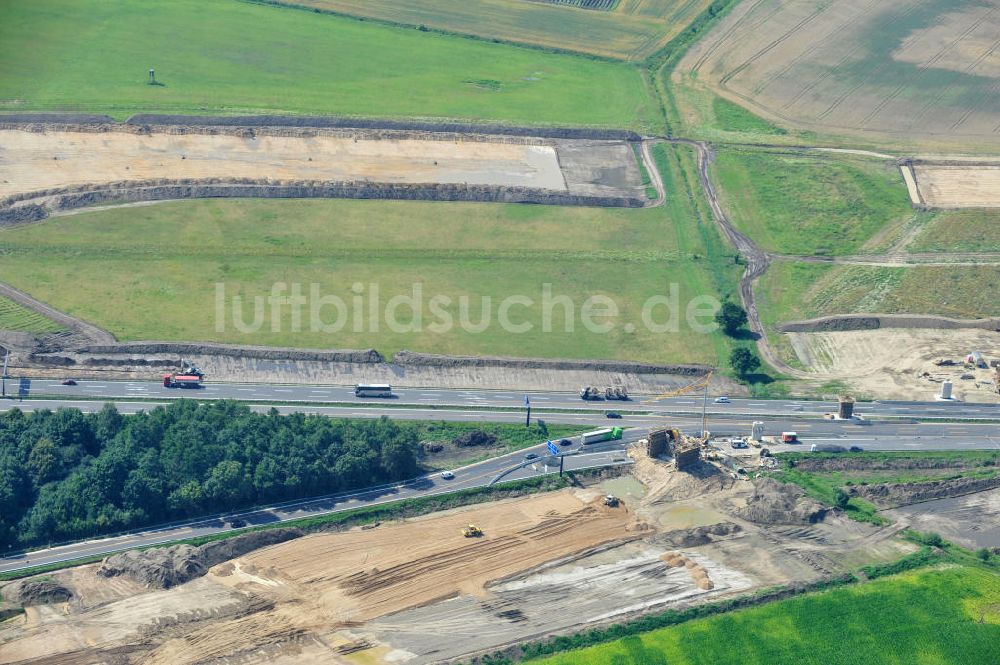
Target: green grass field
x,y
632,30
791,291
18,318
807,204
236,57
931,617
974,230
151,272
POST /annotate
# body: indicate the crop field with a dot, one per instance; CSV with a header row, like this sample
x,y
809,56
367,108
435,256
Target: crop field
x,y
235,57
914,73
959,185
155,272
974,230
808,204
933,617
629,30
15,317
791,291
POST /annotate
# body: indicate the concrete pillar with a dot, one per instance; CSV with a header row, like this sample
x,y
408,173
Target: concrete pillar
x,y
846,411
946,390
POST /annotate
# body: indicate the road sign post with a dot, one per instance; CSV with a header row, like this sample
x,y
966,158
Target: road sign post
x,y
554,451
527,416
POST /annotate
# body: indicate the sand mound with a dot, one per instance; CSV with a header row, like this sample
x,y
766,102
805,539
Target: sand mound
x,y
165,567
700,535
665,484
36,592
780,503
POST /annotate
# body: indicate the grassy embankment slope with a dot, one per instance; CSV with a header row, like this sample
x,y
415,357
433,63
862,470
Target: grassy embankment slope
x,y
971,230
14,316
809,204
835,205
630,30
151,272
792,291
937,616
91,56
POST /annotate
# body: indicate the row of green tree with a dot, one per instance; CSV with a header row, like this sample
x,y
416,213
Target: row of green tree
x,y
66,475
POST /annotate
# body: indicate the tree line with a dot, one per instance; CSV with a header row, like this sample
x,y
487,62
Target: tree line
x,y
66,475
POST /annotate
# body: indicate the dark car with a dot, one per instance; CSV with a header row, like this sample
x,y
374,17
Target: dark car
x,y
69,382
856,449
612,414
565,442
237,523
531,456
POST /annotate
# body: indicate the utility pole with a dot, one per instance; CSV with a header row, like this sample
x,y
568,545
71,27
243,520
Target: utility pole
x,y
3,377
527,416
704,413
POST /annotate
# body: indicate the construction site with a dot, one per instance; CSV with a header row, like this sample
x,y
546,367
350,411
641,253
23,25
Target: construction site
x,y
75,161
680,526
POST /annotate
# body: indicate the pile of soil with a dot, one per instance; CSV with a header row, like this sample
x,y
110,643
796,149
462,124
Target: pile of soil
x,y
476,437
773,502
701,535
891,495
36,592
697,480
891,463
162,568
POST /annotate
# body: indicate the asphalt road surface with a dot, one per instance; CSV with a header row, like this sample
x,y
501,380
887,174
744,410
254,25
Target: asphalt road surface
x,y
316,394
894,434
476,475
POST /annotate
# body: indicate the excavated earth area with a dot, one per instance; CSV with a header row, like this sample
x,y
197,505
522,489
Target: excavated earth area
x,y
419,592
32,161
972,521
900,363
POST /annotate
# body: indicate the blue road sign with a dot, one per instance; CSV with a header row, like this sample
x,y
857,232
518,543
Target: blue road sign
x,y
553,449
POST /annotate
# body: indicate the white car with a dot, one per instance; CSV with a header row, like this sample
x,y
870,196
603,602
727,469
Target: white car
x,y
447,475
722,400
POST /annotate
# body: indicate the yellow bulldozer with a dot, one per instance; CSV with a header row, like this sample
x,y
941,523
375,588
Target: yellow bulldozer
x,y
472,531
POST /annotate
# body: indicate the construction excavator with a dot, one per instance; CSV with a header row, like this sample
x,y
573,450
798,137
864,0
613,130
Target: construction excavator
x,y
472,531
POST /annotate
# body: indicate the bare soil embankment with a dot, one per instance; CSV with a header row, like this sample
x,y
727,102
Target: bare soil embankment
x,y
893,495
900,363
57,165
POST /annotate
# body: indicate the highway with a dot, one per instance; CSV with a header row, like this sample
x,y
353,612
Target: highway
x,y
423,397
476,475
903,432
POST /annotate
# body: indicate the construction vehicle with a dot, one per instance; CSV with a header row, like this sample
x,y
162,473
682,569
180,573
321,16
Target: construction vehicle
x,y
182,380
592,393
611,501
189,376
472,531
